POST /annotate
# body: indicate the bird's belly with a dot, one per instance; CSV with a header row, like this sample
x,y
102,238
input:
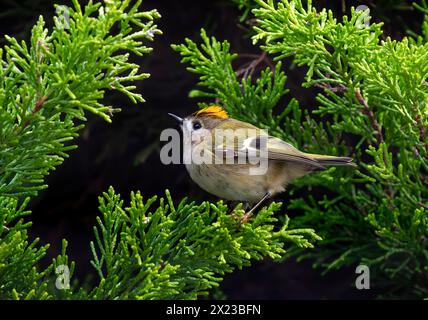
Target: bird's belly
x,y
230,182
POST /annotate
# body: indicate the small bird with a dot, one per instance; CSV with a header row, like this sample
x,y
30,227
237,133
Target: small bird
x,y
234,180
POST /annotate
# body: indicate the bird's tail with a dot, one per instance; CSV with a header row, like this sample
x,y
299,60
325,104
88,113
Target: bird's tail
x,y
332,160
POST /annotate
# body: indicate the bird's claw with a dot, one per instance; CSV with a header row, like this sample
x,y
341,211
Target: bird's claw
x,y
244,218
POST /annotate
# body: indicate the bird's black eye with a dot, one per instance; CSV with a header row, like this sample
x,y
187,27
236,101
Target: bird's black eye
x,y
196,125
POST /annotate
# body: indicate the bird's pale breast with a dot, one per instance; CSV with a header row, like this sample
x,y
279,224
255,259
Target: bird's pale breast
x,y
234,181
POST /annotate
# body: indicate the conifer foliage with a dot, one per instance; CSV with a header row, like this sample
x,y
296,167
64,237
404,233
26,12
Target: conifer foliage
x,y
148,249
372,107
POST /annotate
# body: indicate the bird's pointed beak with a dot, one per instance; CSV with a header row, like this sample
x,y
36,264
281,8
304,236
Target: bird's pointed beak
x,y
180,120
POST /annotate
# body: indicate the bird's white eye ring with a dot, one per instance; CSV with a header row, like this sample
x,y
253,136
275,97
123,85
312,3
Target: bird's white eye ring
x,y
197,125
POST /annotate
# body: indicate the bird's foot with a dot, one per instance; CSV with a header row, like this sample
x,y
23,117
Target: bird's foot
x,y
245,218
248,214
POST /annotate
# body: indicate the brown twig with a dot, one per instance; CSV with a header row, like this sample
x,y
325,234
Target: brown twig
x,y
39,104
375,125
252,22
422,205
422,131
338,89
368,112
242,27
248,69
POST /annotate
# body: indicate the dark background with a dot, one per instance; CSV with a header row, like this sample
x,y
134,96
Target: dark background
x,y
125,154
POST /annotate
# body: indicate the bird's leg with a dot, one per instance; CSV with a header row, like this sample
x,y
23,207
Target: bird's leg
x,y
247,206
232,205
248,214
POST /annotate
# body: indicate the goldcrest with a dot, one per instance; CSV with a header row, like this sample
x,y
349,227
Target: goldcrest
x,y
238,161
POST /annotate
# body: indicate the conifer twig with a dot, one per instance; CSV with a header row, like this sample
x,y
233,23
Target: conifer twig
x,y
368,112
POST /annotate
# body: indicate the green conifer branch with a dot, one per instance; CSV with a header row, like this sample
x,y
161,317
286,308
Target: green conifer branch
x,y
143,251
48,85
423,6
180,251
251,100
150,249
20,277
373,108
376,91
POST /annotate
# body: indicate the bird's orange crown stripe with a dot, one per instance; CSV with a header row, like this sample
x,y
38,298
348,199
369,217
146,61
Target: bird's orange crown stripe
x,y
213,111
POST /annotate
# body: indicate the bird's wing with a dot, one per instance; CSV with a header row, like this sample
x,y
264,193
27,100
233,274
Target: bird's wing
x,y
283,151
254,141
